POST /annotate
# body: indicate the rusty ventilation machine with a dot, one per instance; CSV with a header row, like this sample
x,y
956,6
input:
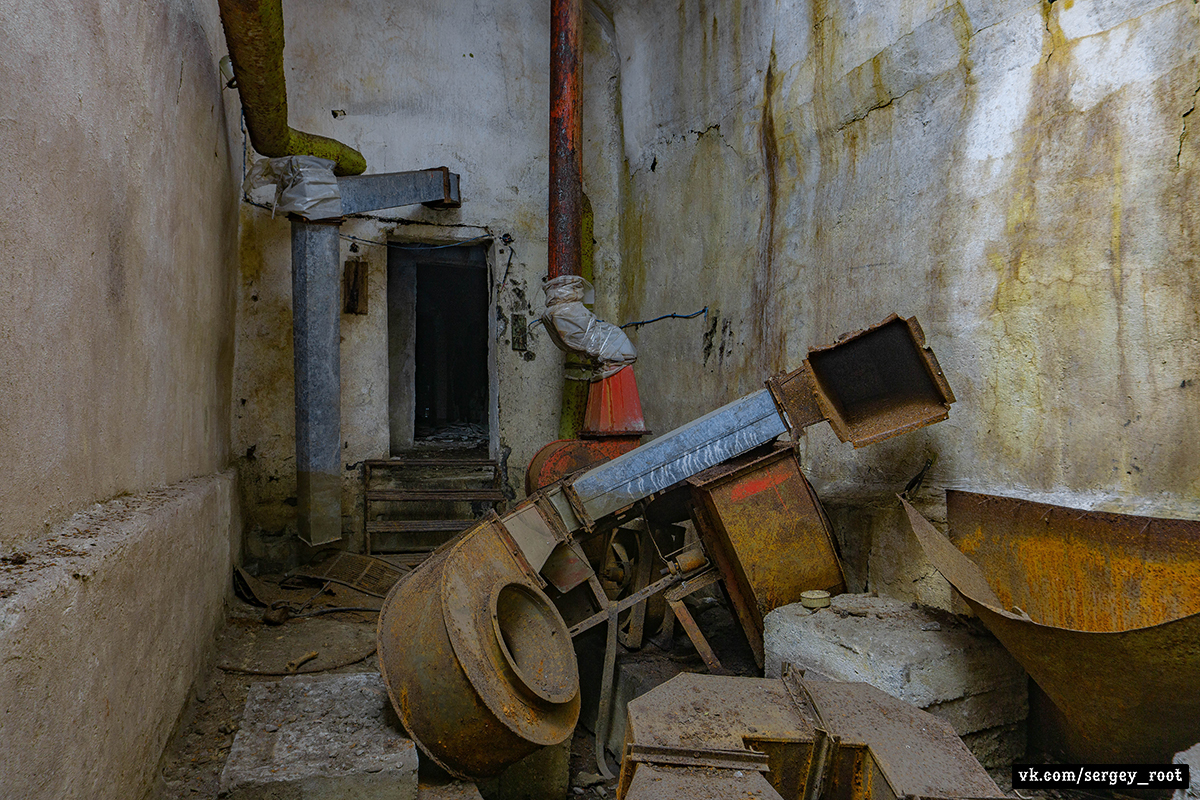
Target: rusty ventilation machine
x,y
476,644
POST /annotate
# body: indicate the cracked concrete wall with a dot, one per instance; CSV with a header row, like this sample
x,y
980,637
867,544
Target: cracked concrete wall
x,y
1019,175
421,85
117,227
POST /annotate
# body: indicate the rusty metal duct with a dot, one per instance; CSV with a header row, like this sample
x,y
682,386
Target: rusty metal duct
x,y
1102,610
477,662
254,33
566,136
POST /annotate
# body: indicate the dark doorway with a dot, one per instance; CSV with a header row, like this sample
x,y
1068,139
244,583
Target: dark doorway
x,y
438,347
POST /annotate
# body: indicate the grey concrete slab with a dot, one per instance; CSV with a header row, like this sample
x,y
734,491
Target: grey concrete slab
x,y
944,664
331,737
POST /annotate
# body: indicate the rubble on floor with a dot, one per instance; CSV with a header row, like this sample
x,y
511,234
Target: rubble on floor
x,y
944,664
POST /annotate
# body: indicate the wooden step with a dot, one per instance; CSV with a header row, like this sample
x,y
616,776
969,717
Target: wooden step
x,y
418,525
455,495
473,463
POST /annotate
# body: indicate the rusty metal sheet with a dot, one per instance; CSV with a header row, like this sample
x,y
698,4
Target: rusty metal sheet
x,y
762,523
567,567
697,757
532,533
367,574
655,782
837,741
917,754
1102,610
879,382
716,711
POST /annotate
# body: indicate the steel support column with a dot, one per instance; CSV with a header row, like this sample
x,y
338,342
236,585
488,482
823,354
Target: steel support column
x,y
316,337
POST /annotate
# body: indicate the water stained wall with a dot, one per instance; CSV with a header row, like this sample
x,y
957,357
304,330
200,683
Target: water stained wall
x,y
1020,176
413,86
117,222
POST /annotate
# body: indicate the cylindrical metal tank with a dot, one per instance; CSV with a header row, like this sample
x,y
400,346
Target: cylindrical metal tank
x,y
478,663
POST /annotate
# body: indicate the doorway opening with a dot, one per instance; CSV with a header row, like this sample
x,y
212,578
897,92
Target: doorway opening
x,y
439,378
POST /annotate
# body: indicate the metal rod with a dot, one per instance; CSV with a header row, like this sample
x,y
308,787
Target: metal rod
x,y
566,136
606,693
623,604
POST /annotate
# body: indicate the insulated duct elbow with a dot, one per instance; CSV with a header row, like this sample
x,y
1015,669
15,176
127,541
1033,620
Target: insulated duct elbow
x,y
254,33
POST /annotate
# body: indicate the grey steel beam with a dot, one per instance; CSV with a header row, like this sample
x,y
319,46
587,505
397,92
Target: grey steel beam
x,y
316,338
435,187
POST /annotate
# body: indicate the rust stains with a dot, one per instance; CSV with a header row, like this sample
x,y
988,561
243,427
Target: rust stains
x,y
763,303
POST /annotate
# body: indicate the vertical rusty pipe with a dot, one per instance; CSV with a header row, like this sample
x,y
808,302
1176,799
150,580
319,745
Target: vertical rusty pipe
x,y
566,135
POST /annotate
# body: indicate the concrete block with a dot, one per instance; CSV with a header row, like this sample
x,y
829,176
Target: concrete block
x,y
320,738
938,662
102,633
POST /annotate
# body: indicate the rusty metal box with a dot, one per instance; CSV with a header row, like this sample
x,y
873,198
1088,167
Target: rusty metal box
x,y
879,382
870,385
763,525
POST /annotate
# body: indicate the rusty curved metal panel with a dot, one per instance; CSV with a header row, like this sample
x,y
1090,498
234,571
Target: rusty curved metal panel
x,y
1122,670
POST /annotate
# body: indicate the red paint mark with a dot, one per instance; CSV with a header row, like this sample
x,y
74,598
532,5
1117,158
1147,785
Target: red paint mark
x,y
753,486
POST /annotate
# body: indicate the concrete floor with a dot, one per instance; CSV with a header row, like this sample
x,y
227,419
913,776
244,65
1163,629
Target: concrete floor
x,y
192,762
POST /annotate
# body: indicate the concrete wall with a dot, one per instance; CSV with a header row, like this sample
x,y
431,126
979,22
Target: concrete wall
x,y
1019,175
117,235
118,244
103,632
422,85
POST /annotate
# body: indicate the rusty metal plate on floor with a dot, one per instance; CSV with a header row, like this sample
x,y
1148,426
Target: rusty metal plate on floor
x,y
367,574
763,524
716,711
1102,610
832,740
654,782
917,754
